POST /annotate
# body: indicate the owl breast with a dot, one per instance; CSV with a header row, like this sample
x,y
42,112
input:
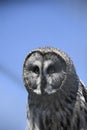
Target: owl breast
x,y
55,113
50,115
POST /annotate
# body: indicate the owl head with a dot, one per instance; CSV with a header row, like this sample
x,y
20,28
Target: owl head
x,y
48,70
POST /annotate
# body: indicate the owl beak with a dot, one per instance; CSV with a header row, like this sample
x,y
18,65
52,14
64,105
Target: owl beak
x,y
43,85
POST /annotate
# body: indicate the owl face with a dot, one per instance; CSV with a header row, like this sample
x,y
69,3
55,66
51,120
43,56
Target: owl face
x,y
44,73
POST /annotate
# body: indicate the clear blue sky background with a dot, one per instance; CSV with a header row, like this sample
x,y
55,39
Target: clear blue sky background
x,y
25,26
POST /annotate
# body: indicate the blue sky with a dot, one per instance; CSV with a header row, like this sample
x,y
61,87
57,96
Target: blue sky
x,y
26,26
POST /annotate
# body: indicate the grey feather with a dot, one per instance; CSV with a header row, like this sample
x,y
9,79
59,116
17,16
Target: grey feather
x,y
57,99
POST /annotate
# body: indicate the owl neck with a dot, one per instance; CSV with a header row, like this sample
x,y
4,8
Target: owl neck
x,y
60,98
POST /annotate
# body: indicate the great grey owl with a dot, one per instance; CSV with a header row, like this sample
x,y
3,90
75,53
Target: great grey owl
x,y
57,99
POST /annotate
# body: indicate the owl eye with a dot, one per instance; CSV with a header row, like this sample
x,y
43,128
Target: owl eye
x,y
35,69
51,69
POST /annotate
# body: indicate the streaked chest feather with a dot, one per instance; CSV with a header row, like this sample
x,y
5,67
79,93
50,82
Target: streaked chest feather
x,y
56,116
